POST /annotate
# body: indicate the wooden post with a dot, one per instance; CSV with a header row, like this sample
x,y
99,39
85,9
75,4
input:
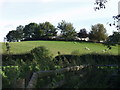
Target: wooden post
x,y
33,81
35,75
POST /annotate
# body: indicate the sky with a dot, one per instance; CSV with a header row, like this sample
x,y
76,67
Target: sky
x,y
79,12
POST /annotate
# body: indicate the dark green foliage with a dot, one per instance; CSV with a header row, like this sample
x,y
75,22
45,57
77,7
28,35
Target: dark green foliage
x,y
32,31
88,59
67,30
93,77
7,76
12,36
19,33
44,82
113,39
99,75
83,33
43,57
29,30
38,59
15,35
47,30
98,32
8,59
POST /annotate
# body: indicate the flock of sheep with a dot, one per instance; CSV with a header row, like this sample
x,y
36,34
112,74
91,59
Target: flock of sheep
x,y
104,50
86,48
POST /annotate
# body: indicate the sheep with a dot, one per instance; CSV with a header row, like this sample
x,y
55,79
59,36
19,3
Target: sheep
x,y
75,42
87,48
105,50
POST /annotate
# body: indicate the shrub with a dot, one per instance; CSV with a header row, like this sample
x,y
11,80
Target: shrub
x,y
43,58
10,59
88,59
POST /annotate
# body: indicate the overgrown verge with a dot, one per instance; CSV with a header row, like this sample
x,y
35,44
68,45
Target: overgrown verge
x,y
18,69
92,59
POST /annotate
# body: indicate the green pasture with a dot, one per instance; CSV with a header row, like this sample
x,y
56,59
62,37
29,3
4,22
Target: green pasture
x,y
61,46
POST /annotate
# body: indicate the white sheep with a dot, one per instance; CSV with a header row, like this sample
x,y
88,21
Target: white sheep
x,y
105,50
75,42
87,48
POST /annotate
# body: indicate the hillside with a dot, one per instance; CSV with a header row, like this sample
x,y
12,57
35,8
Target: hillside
x,y
61,46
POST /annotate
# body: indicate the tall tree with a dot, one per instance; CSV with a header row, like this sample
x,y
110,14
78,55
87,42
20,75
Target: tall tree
x,y
29,30
47,30
19,32
67,30
98,32
12,36
113,39
83,33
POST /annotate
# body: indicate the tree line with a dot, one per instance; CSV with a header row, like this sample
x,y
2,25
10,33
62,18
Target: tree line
x,y
46,31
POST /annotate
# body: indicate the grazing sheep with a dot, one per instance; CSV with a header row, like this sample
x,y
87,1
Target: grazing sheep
x,y
87,48
105,50
75,42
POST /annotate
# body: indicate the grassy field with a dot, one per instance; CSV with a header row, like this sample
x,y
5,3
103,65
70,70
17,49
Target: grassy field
x,y
61,46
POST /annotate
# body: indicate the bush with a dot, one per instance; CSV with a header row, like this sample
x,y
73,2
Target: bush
x,y
42,60
88,59
10,59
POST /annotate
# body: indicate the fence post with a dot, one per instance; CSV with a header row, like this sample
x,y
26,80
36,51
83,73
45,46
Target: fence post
x,y
28,77
33,81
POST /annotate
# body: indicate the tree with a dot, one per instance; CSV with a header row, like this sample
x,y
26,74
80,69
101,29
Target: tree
x,y
12,36
47,30
15,35
98,33
67,30
29,30
19,32
82,33
113,39
42,31
100,4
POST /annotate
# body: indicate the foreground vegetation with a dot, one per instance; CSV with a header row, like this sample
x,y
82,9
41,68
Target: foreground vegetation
x,y
104,74
59,46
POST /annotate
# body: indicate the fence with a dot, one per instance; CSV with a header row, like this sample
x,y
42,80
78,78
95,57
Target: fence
x,y
35,75
33,80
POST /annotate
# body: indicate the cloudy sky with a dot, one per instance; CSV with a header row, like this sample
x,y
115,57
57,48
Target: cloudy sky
x,y
79,12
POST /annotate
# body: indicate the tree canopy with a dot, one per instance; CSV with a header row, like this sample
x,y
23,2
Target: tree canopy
x,y
29,30
83,33
12,36
32,31
113,39
67,30
47,30
98,32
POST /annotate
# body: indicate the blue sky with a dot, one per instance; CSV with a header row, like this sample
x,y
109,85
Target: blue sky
x,y
78,12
